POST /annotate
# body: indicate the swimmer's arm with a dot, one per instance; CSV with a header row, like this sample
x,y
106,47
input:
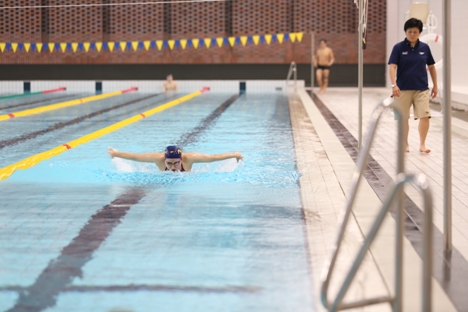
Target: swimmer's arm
x,y
146,157
332,58
198,158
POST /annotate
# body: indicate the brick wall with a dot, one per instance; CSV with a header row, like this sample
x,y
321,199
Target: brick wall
x,y
335,20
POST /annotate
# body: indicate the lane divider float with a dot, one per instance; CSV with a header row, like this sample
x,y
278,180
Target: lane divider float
x,y
47,108
32,93
26,163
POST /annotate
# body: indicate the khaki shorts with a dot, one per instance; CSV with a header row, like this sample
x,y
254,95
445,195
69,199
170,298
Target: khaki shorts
x,y
416,98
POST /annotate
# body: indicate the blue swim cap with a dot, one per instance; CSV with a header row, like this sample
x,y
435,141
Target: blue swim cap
x,y
173,151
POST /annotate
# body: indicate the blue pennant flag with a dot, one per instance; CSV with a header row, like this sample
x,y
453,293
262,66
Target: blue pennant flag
x,y
177,44
262,39
141,46
20,47
250,40
80,47
92,46
129,45
274,39
238,41
226,42
286,37
69,46
57,47
104,46
165,45
153,44
8,47
33,47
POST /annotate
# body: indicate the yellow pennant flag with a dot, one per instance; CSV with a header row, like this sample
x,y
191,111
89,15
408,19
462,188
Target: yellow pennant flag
x,y
39,47
219,41
63,47
232,41
183,43
2,46
207,42
159,44
99,46
171,44
86,46
74,46
195,43
280,37
123,45
292,37
135,45
244,40
147,44
299,36
27,46
268,39
256,39
111,46
51,47
14,46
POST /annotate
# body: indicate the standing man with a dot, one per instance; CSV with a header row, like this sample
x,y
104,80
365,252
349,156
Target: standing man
x,y
170,84
408,76
323,61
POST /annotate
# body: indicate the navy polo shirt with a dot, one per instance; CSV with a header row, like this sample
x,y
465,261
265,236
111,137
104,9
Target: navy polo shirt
x,y
411,64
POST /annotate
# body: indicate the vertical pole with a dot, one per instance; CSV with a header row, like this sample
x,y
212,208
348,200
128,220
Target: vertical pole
x,y
360,74
312,53
447,128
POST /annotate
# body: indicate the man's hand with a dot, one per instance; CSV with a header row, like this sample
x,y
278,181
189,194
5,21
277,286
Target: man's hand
x,y
111,151
239,156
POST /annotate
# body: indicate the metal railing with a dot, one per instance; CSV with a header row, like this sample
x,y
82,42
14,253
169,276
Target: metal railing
x,y
292,72
395,195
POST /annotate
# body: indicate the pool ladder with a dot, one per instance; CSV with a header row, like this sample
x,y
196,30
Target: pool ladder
x,y
292,72
395,194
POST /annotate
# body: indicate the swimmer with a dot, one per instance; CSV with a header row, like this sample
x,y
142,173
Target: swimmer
x,y
323,60
170,84
173,159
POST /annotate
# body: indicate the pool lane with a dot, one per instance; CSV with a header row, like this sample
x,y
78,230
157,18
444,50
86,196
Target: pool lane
x,y
44,99
228,240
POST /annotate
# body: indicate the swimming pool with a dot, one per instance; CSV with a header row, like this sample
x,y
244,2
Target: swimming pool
x,y
82,232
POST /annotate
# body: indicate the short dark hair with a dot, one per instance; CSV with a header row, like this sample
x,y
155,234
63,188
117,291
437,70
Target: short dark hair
x,y
414,22
324,40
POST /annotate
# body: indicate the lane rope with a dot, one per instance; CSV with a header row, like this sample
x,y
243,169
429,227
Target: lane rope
x,y
32,93
47,108
33,160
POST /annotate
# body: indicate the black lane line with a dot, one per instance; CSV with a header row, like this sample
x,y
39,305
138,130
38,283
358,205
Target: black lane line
x,y
207,122
451,271
37,101
60,125
137,287
60,272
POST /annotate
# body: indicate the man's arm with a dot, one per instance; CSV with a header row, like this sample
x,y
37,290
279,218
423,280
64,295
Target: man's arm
x,y
392,72
433,72
205,158
332,58
146,157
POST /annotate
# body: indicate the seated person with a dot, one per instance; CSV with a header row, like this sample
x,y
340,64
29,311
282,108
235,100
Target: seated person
x,y
173,159
170,84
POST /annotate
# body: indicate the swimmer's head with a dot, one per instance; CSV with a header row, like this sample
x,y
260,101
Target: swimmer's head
x,y
169,77
173,151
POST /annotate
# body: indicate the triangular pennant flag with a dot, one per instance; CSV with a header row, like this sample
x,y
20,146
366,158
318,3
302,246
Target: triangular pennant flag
x,y
165,46
171,44
92,46
153,44
74,46
280,37
183,43
27,46
147,44
80,46
226,41
39,47
2,46
286,37
159,44
14,46
135,45
299,36
33,47
207,42
111,46
57,47
20,47
244,40
195,43
98,46
220,41
86,46
51,47
122,45
63,46
8,47
256,39
292,36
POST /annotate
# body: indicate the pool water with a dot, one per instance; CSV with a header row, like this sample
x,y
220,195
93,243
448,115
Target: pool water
x,y
84,232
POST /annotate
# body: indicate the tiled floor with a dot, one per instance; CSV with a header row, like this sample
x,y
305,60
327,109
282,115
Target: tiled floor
x,y
326,166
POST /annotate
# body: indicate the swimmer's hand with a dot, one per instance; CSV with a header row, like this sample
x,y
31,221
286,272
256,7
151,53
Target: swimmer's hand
x,y
239,156
112,152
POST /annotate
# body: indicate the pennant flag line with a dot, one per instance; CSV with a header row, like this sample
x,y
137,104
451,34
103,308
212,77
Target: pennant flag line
x,y
146,45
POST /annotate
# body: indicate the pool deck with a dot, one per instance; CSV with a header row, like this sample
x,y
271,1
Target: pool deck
x,y
325,127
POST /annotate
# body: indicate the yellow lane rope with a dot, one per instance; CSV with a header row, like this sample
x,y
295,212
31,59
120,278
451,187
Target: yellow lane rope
x,y
47,108
26,163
